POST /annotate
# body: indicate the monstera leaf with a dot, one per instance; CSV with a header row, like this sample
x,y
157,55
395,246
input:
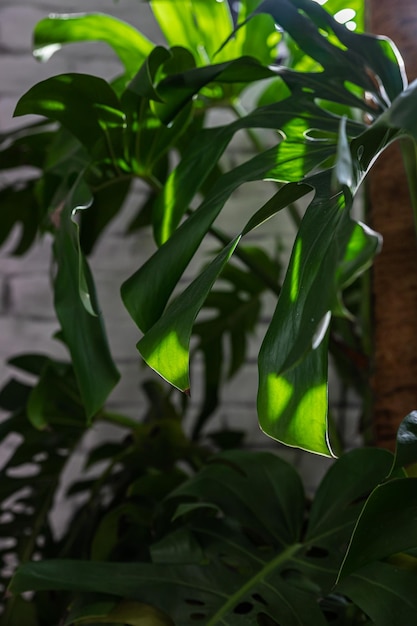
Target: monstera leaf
x,y
323,147
239,551
330,250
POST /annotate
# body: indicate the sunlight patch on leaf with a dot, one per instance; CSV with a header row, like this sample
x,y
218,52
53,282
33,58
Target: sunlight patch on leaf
x,y
312,404
295,277
279,391
170,360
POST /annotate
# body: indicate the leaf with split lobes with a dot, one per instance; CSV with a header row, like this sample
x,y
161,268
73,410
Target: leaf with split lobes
x,y
178,89
146,293
165,347
129,44
292,359
198,25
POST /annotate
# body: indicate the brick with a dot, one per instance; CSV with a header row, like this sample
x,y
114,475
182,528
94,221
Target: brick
x,y
37,260
31,297
23,71
16,27
18,336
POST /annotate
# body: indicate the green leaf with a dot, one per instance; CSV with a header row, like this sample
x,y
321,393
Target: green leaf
x,y
198,25
130,45
19,206
75,300
384,592
177,90
385,526
292,397
107,202
86,105
251,563
333,508
165,347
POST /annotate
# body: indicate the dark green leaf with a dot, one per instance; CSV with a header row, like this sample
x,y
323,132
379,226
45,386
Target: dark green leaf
x,y
384,592
86,105
75,304
385,526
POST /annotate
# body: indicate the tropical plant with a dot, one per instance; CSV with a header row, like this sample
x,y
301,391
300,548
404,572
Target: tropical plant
x,y
236,534
95,163
236,544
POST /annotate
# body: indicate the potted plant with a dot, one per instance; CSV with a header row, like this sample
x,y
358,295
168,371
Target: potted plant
x,y
235,541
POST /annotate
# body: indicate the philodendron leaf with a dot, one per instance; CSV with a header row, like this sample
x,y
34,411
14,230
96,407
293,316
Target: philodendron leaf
x,y
331,249
245,559
200,25
77,309
53,32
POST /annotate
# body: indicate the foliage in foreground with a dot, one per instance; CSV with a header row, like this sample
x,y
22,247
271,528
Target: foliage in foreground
x,y
110,134
239,544
235,541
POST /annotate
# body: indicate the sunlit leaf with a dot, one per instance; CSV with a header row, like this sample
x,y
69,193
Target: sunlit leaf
x,y
54,31
165,346
86,105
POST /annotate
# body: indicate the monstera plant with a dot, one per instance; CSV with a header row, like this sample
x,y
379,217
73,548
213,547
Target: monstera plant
x,y
232,540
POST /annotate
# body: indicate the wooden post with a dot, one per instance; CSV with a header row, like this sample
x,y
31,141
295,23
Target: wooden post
x,y
395,270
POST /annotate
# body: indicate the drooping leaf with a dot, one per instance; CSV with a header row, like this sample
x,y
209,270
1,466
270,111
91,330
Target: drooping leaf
x,y
53,32
86,105
165,347
77,310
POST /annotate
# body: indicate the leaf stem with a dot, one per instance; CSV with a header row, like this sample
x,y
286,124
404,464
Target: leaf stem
x,y
118,419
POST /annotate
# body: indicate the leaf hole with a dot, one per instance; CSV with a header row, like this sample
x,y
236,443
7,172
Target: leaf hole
x,y
243,608
258,598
